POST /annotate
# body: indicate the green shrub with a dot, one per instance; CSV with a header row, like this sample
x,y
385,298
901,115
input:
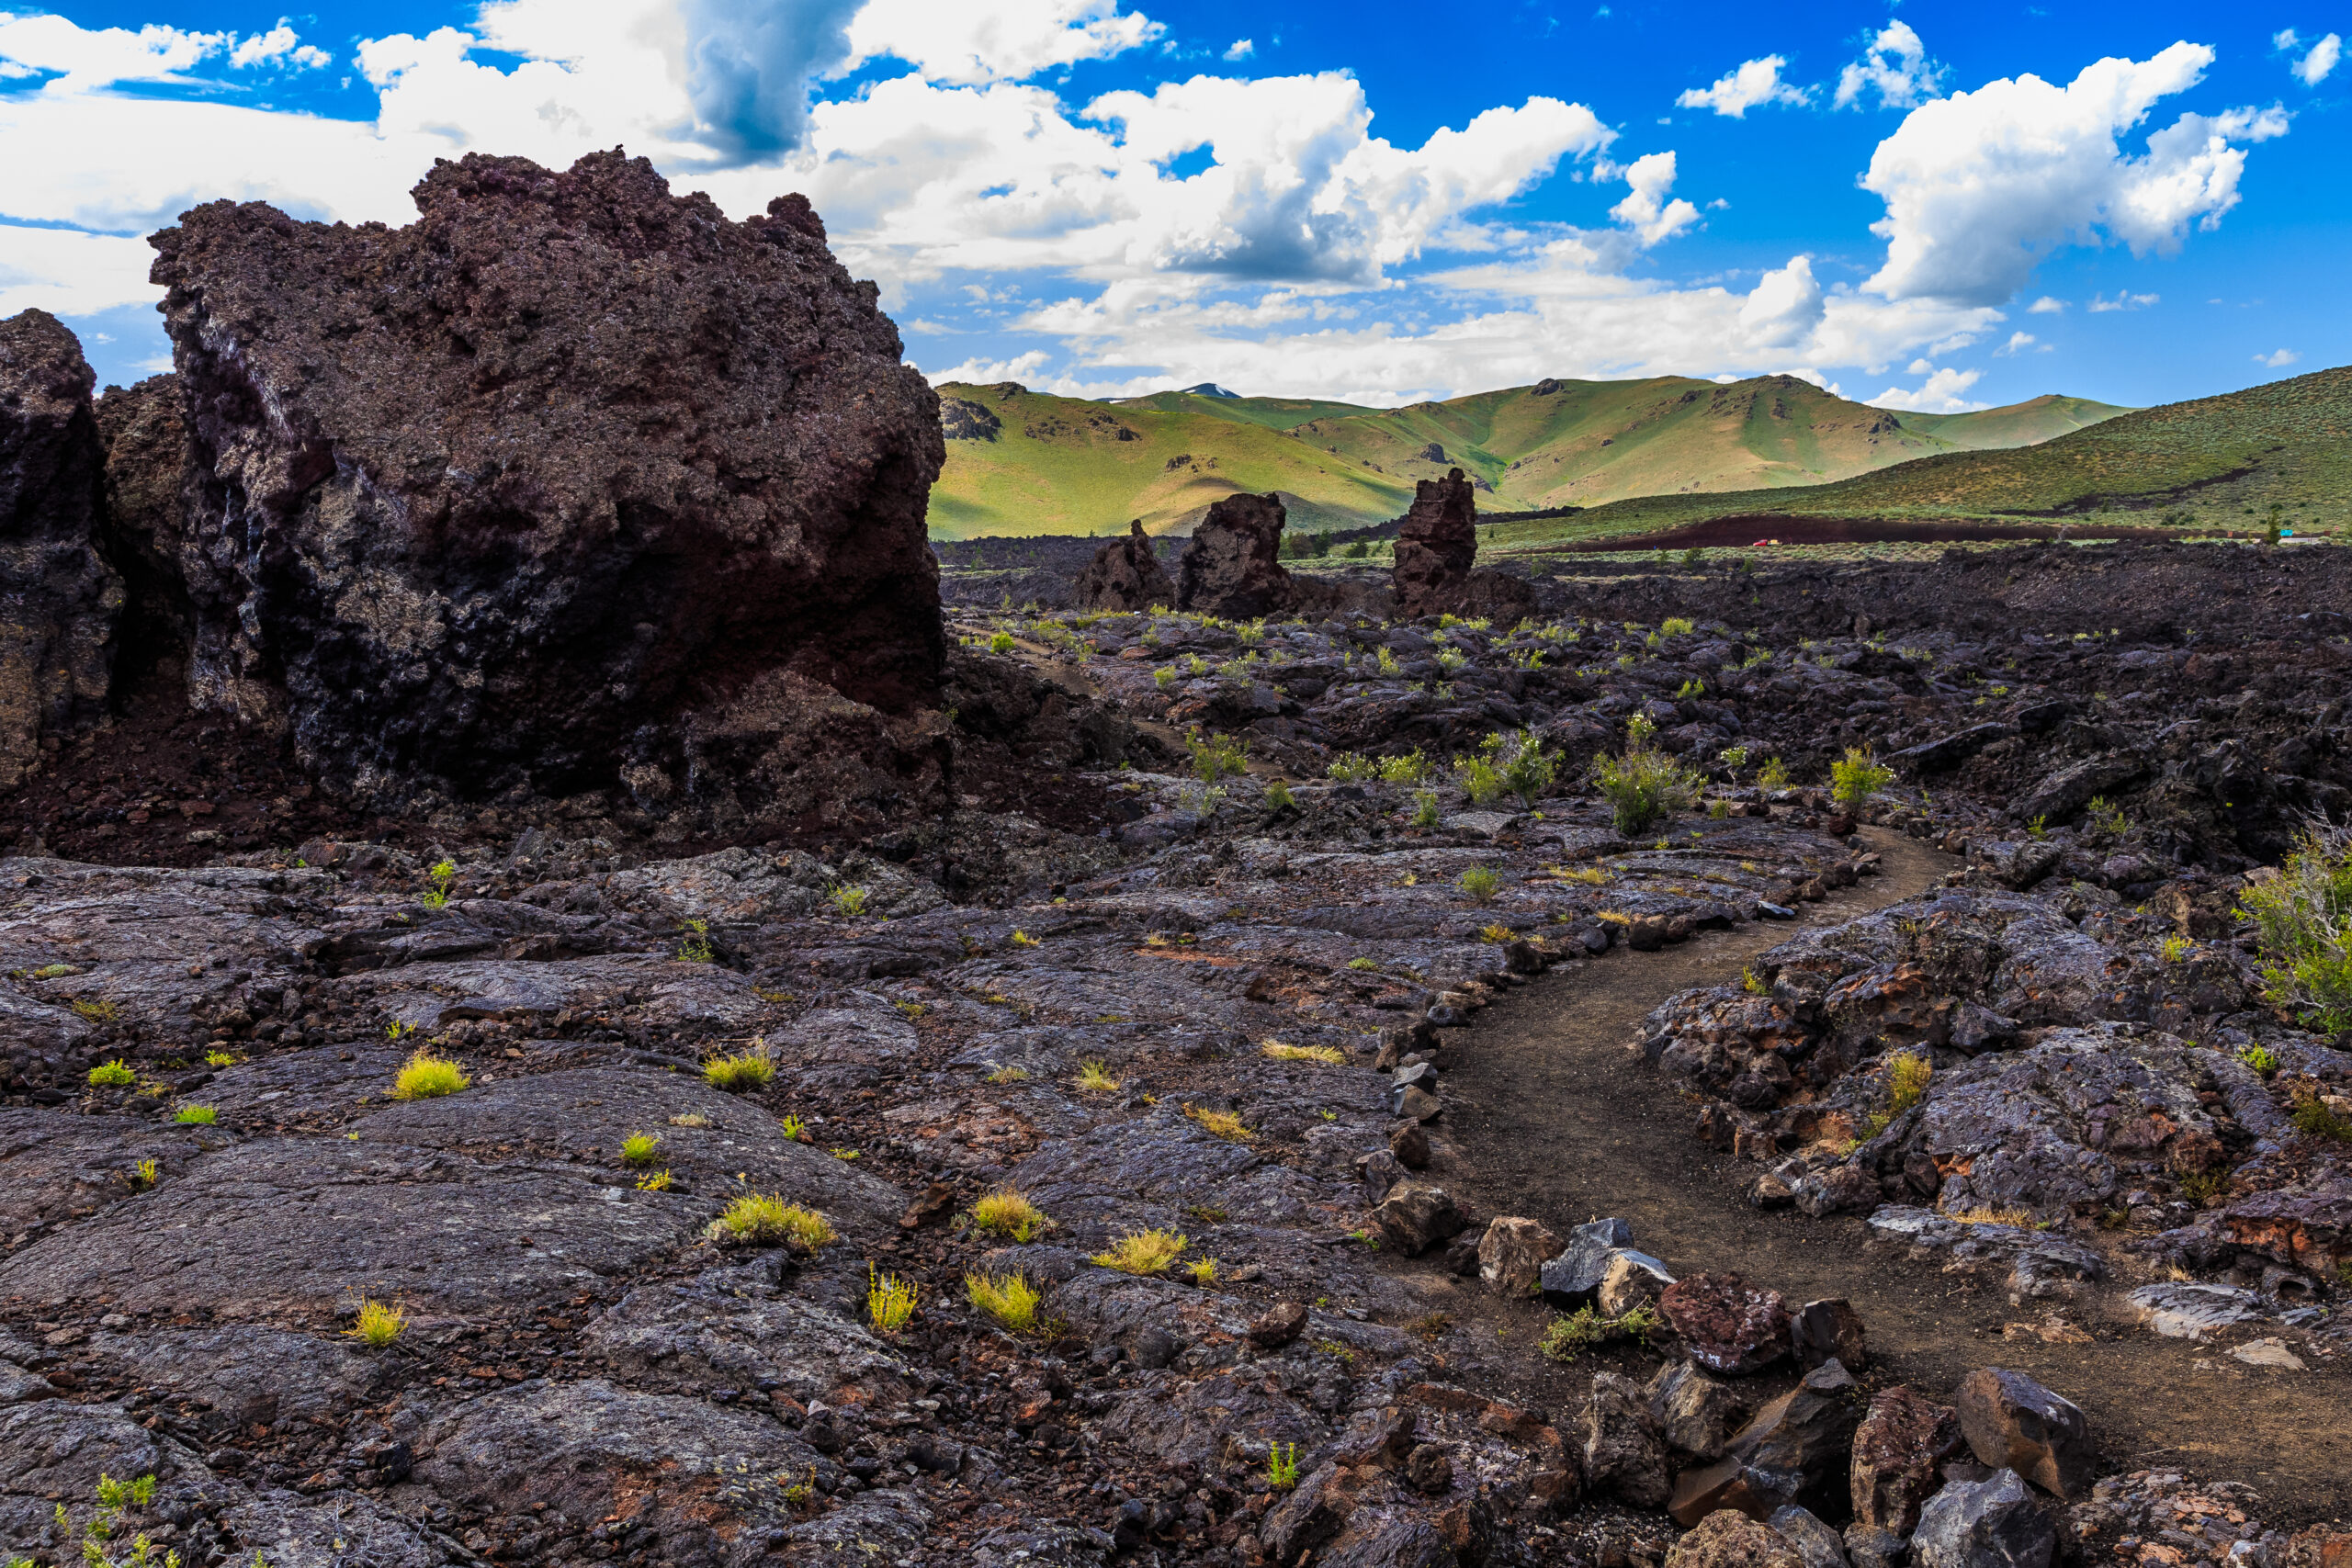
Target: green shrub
x,y
1351,767
1480,882
1425,811
1001,643
439,880
2304,918
196,1116
754,1219
427,1076
1410,768
116,1074
743,1071
1481,780
1216,756
1857,777
1675,626
1643,787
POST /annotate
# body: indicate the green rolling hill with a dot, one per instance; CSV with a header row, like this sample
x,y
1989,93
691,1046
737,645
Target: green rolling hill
x,y
2203,466
1022,462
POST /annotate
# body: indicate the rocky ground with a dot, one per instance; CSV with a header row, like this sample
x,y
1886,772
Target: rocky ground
x,y
1222,993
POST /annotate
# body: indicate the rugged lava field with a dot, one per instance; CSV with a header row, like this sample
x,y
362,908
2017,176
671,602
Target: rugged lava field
x,y
576,1008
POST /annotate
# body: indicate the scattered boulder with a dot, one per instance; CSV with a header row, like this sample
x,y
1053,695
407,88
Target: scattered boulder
x,y
1816,1543
1996,1523
2013,1423
1829,1331
57,653
1278,1325
1574,1279
1696,1413
1729,1539
1125,575
1436,543
1232,569
1726,1326
571,484
1900,1450
1416,1216
1511,1254
1622,1450
1796,1444
1634,1278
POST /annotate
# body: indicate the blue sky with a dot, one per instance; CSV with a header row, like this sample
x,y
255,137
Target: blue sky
x,y
1935,206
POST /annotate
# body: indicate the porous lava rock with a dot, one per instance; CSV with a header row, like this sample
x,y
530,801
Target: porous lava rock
x,y
145,430
1233,566
572,482
1900,1450
1727,1326
56,639
1125,575
1437,545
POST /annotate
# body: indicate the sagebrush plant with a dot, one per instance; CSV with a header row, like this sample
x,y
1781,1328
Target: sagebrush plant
x,y
378,1323
1352,767
1410,768
2303,916
1001,643
1218,756
1480,882
1773,774
890,1300
740,1071
1643,786
756,1219
1143,1252
1009,1213
1857,777
1278,796
1425,809
1009,1299
427,1076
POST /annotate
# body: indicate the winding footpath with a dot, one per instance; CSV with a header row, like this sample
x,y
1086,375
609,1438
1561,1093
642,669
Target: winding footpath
x,y
1552,1116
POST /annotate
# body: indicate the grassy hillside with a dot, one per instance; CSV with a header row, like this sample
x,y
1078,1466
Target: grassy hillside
x,y
2203,466
1023,462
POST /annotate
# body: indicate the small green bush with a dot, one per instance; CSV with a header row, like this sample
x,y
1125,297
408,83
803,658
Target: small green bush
x,y
2304,918
1857,777
1643,787
1480,882
196,1116
116,1074
743,1071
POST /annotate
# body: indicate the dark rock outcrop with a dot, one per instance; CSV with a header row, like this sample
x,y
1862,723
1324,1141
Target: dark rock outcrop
x,y
1233,566
569,483
56,639
1125,575
145,430
1436,546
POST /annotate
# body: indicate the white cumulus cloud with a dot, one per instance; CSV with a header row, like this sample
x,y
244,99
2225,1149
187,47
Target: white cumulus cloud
x,y
971,41
1895,65
2123,300
1756,82
2018,344
1941,392
1648,211
1980,187
1241,49
2046,306
2284,356
2318,62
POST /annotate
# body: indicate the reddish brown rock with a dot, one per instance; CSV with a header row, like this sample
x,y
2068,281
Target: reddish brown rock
x,y
1125,575
1233,566
570,484
56,639
1726,1326
2013,1423
1278,1325
1729,1539
1899,1451
1830,1331
1512,1253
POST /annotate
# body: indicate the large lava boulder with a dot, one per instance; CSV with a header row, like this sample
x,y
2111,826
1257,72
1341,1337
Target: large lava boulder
x,y
1124,575
1437,543
1233,566
60,597
145,429
572,482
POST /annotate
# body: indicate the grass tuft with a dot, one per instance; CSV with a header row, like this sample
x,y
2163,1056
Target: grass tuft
x,y
1009,1299
890,1300
1328,1055
380,1323
741,1072
1094,1076
639,1149
757,1218
116,1074
1143,1252
1008,1213
1224,1123
196,1116
427,1076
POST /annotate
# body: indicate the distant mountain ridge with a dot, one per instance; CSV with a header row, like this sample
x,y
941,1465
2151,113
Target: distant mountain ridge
x,y
1024,462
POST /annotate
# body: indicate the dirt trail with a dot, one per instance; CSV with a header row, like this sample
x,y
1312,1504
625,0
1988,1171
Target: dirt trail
x,y
1549,1116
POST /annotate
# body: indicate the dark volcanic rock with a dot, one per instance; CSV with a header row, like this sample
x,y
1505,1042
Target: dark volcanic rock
x,y
568,484
145,430
2014,1423
1125,575
1996,1523
1436,544
1728,1328
1899,1452
1233,566
56,653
